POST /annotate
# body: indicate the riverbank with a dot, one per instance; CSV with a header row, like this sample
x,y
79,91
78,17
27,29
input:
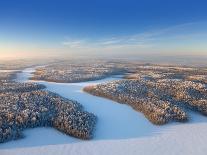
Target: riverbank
x,y
115,123
188,139
27,105
120,129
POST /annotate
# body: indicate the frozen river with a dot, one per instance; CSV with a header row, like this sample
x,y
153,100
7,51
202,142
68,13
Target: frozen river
x,y
115,121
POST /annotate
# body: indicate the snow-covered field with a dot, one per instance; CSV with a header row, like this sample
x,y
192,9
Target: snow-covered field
x,y
120,130
189,139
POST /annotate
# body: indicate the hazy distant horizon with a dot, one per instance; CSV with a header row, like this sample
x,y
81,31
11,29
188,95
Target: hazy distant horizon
x,y
110,28
197,61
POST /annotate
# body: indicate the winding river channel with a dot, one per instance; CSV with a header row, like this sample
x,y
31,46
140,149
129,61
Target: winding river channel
x,y
115,121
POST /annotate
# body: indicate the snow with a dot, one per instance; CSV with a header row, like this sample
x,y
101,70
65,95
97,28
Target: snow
x,y
120,130
189,139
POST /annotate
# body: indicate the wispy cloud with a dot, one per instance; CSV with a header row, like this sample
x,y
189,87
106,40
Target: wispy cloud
x,y
73,43
152,38
110,41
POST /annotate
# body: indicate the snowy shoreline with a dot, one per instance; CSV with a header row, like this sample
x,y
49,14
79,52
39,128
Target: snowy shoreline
x,y
171,142
119,131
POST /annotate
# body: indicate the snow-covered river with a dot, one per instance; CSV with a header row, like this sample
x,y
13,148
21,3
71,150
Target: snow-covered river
x,y
115,121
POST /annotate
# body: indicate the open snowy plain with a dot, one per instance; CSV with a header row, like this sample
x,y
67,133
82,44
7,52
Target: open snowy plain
x,y
120,129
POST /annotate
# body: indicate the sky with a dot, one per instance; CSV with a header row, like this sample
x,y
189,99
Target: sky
x,y
113,28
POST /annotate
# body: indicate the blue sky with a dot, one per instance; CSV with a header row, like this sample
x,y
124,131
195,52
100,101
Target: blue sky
x,y
102,27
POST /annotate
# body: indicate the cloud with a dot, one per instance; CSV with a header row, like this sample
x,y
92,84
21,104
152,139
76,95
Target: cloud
x,y
110,41
74,43
158,39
